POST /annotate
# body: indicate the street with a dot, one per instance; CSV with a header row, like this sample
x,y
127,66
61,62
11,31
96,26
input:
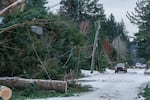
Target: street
x,y
111,86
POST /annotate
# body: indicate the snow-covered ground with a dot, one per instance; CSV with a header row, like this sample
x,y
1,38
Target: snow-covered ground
x,y
110,86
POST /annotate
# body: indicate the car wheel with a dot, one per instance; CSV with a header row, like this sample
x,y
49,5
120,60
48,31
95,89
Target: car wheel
x,y
116,71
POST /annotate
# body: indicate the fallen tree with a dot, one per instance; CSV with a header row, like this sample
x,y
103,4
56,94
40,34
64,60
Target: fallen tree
x,y
11,6
21,83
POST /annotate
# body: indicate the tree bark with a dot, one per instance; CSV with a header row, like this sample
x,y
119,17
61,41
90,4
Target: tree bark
x,y
95,45
5,92
21,83
11,6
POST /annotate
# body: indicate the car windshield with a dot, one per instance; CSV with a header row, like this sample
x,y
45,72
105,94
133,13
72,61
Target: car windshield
x,y
138,64
120,65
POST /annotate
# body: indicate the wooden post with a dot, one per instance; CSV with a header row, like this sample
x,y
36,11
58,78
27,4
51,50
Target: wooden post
x,y
95,45
5,93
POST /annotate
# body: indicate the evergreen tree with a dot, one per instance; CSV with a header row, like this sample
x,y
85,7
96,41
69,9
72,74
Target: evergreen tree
x,y
36,4
141,17
82,9
69,8
111,27
27,54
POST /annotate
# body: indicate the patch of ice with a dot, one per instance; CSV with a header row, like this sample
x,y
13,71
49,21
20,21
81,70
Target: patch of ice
x,y
109,71
136,71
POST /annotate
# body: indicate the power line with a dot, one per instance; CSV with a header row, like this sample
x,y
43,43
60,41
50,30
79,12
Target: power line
x,y
54,6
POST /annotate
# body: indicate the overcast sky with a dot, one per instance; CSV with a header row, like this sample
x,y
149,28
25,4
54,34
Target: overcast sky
x,y
119,9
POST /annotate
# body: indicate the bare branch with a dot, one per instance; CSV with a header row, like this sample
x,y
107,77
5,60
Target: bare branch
x,y
32,22
11,6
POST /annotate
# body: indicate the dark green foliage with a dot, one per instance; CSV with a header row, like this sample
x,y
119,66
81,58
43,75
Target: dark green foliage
x,y
92,11
141,17
34,92
81,10
18,57
70,7
112,29
61,48
143,41
38,4
146,93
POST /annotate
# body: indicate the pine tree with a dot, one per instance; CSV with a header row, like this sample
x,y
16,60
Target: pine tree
x,y
82,9
141,17
36,4
69,8
111,27
22,50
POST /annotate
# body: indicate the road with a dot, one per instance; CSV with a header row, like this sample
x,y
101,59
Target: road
x,y
111,86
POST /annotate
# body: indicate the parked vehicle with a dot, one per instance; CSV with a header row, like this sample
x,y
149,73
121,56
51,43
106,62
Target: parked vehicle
x,y
147,71
139,65
120,67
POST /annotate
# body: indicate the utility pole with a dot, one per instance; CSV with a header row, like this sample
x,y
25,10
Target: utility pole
x,y
95,45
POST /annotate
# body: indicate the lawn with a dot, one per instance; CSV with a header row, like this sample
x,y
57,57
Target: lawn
x,y
146,93
33,93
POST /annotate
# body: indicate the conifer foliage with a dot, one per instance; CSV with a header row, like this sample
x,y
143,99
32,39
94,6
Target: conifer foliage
x,y
57,47
141,17
27,54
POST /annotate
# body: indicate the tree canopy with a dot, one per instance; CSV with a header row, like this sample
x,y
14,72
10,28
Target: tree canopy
x,y
27,54
82,9
60,47
141,17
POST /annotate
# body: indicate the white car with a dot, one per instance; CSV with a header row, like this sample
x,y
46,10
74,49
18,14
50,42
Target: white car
x,y
120,67
139,65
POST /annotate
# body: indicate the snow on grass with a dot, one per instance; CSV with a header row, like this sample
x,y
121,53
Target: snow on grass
x,y
87,73
136,71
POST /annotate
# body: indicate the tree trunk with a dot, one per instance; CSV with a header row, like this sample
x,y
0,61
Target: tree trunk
x,y
95,45
5,92
21,83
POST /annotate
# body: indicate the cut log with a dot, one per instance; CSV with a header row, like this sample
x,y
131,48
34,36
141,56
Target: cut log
x,y
5,93
60,86
15,82
21,83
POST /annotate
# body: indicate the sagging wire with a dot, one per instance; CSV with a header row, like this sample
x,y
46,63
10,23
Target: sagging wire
x,y
36,53
70,55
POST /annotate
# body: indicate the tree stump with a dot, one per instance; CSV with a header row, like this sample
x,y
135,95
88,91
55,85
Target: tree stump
x,y
5,92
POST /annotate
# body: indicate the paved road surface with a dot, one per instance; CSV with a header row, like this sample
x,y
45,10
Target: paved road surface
x,y
111,86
